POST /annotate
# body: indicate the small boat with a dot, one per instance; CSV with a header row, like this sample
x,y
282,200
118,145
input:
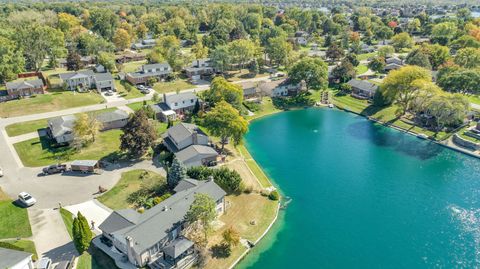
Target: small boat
x,y
331,106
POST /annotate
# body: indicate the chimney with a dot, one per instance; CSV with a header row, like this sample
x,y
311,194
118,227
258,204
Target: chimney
x,y
195,137
164,98
130,251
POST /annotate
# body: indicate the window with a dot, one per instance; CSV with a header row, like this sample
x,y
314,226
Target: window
x,y
176,104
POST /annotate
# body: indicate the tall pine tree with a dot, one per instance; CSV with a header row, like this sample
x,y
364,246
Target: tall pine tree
x,y
176,173
82,236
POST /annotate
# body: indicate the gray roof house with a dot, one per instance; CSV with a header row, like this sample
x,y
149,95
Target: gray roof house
x,y
14,259
183,135
104,81
147,71
25,87
153,238
181,102
60,129
362,89
197,155
113,120
87,79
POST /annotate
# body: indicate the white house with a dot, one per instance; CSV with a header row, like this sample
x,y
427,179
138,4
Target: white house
x,y
14,259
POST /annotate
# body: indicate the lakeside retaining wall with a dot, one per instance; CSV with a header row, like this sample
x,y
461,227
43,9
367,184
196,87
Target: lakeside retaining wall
x,y
465,143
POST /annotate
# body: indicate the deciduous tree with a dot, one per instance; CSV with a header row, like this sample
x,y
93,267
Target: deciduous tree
x,y
202,211
312,70
138,134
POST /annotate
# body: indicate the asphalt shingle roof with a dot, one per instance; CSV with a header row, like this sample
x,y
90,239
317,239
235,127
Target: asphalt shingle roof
x,y
24,84
363,85
10,257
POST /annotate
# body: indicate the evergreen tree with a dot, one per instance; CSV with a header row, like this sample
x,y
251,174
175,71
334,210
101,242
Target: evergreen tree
x,y
176,173
82,235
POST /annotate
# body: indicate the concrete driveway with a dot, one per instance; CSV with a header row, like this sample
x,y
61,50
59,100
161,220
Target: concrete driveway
x,y
50,235
92,210
112,98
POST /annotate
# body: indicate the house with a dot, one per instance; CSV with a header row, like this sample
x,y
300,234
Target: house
x,y
183,135
199,68
394,60
181,102
87,60
301,38
144,44
60,129
250,89
197,155
87,79
392,66
113,120
367,49
100,68
362,89
81,80
163,112
157,71
367,75
25,87
281,88
104,82
14,259
153,238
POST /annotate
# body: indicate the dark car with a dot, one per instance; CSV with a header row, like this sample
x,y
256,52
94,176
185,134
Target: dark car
x,y
63,265
54,169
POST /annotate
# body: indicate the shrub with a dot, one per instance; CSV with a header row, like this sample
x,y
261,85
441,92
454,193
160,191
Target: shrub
x,y
274,196
229,180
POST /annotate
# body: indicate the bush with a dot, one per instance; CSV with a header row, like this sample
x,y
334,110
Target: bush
x,y
274,196
252,106
229,180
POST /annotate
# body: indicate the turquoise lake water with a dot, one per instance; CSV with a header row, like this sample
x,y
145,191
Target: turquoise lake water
x,y
364,196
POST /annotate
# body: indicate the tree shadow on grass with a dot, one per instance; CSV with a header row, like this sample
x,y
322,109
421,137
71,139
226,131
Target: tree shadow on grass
x,y
220,251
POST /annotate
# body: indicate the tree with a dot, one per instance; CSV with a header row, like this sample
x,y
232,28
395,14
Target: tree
x,y
107,59
352,58
465,41
82,235
460,80
74,61
437,54
447,110
386,51
311,70
88,44
242,51
417,57
141,30
278,50
443,32
222,90
12,61
344,72
414,26
229,180
468,58
230,237
104,22
334,52
121,39
85,129
402,41
221,58
138,134
200,51
224,121
202,211
66,22
383,32
176,173
399,86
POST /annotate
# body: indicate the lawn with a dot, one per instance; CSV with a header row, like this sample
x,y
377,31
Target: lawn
x,y
360,69
462,134
34,125
13,219
474,99
67,217
130,182
133,66
40,152
161,127
138,105
253,166
242,75
21,245
365,56
48,102
25,127
243,210
172,86
123,92
266,108
95,259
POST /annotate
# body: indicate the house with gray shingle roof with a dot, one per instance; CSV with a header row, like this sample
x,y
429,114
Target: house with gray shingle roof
x,y
87,79
153,238
157,71
183,135
25,87
15,259
362,89
197,155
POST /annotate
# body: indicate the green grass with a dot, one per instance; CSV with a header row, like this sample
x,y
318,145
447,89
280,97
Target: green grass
x,y
13,219
172,86
25,127
131,181
266,108
121,89
95,259
161,127
48,102
474,99
365,56
360,69
462,134
67,217
34,125
133,66
138,105
21,245
252,164
39,151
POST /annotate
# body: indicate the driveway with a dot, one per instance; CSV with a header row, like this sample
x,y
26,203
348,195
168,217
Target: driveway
x,y
112,98
92,210
50,235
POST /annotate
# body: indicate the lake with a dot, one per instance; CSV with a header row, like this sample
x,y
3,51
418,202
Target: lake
x,y
364,196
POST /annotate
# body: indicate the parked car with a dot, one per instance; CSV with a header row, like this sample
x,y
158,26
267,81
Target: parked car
x,y
63,265
141,87
109,93
145,90
54,169
26,199
1,172
44,263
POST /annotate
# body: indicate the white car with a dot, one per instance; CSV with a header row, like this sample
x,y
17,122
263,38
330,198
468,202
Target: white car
x,y
26,199
44,263
109,93
1,172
